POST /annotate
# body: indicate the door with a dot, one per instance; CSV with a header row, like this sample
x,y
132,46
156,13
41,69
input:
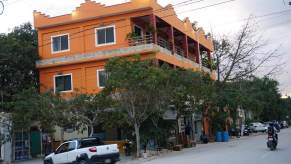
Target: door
x,y
72,152
61,154
35,142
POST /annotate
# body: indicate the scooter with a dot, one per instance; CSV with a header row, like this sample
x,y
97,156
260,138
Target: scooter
x,y
246,131
272,142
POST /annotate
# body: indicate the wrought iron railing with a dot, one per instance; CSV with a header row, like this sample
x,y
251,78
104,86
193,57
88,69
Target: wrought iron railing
x,y
140,40
163,43
148,39
179,51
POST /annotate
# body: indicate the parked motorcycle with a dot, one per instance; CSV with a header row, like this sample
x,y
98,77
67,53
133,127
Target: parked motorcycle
x,y
246,131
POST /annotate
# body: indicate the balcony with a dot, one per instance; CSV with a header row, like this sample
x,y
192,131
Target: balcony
x,y
150,29
162,45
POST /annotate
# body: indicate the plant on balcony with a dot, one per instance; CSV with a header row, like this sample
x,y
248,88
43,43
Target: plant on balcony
x,y
133,38
131,35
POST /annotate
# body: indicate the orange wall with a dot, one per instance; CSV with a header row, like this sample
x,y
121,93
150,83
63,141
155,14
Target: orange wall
x,y
82,38
84,76
81,24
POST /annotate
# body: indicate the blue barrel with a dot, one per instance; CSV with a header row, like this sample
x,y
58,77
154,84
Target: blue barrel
x,y
218,137
225,136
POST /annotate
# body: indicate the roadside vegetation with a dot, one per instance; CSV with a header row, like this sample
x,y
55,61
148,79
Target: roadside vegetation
x,y
138,93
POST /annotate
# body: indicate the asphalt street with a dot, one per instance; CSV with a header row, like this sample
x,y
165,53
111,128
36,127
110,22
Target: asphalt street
x,y
246,150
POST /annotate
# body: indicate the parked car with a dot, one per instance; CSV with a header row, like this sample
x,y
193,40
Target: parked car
x,y
284,124
258,127
84,151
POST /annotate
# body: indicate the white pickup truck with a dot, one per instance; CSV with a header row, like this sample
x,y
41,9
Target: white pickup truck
x,y
84,151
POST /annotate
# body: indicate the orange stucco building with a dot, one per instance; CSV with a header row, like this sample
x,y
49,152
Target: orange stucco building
x,y
74,48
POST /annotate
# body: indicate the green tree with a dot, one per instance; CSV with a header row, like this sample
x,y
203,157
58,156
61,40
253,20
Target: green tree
x,y
30,106
138,87
86,109
18,54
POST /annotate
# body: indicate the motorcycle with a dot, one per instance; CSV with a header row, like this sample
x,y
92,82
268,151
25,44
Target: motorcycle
x,y
246,131
272,142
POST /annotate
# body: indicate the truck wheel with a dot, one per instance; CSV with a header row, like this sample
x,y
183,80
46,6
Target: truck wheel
x,y
48,162
82,162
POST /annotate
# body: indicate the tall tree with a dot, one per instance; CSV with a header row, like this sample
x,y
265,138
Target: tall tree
x,y
18,54
242,56
88,110
29,106
137,86
237,59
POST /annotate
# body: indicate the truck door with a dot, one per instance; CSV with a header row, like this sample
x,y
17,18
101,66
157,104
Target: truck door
x,y
61,154
73,152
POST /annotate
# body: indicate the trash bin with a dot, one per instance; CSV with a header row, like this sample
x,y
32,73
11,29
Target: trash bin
x,y
225,136
218,137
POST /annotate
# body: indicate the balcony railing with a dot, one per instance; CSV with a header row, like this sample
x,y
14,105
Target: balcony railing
x,y
140,40
148,39
179,51
163,43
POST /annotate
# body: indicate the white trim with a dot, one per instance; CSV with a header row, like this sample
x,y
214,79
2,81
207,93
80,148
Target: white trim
x,y
141,29
54,80
52,44
98,84
105,44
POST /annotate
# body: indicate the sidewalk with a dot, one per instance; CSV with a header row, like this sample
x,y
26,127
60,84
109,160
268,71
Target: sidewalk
x,y
131,160
33,161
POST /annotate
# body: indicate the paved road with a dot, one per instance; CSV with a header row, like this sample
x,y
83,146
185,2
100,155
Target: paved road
x,y
247,150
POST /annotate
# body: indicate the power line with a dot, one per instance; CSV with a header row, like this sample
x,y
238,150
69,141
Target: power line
x,y
187,2
283,12
212,5
1,7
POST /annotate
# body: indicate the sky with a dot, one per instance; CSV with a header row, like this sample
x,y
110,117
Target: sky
x,y
273,22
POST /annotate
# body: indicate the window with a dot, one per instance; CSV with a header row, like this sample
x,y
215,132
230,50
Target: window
x,y
60,43
72,146
90,142
63,148
101,78
105,35
63,83
137,30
